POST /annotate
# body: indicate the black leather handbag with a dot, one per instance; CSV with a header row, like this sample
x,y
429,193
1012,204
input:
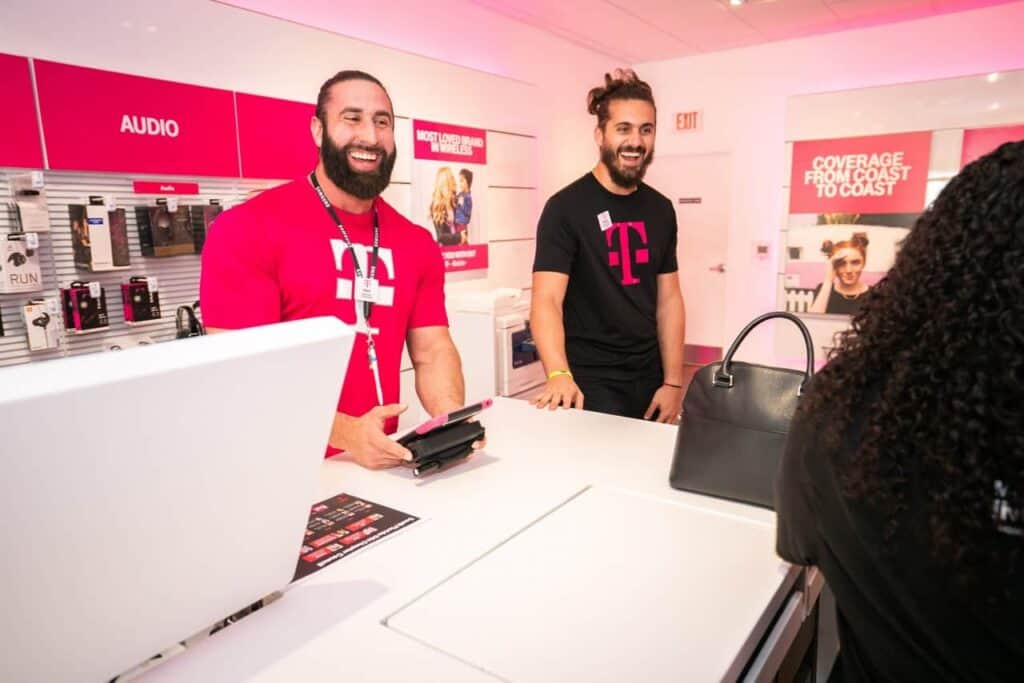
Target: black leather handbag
x,y
735,419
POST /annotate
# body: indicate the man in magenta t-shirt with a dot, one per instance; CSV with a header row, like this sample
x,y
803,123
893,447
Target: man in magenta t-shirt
x,y
281,256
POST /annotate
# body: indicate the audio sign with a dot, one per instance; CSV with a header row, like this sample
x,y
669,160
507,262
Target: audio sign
x,y
104,121
147,125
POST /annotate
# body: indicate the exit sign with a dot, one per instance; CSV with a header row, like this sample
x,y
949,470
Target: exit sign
x,y
690,121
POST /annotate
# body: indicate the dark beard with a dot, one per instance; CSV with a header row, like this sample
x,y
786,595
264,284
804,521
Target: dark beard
x,y
625,177
356,183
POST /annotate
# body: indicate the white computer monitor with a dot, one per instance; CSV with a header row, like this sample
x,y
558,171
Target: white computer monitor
x,y
148,493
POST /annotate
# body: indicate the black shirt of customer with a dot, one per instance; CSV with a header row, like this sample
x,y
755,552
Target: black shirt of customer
x,y
903,475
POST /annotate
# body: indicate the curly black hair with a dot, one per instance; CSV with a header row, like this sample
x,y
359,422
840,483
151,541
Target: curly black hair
x,y
937,353
622,84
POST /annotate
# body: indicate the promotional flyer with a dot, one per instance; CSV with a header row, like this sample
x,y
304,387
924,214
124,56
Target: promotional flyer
x,y
340,526
851,202
449,188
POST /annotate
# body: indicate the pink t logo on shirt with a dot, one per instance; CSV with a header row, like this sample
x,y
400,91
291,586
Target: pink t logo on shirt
x,y
622,255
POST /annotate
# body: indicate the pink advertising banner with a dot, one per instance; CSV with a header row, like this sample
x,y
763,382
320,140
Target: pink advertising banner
x,y
866,175
19,143
104,121
464,257
444,142
274,137
980,141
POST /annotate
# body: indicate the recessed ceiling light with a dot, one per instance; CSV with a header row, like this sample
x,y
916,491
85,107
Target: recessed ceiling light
x,y
736,3
994,106
992,77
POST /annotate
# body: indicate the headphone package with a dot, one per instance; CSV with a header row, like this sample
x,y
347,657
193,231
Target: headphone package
x,y
99,236
41,324
30,202
202,217
165,229
85,306
19,263
141,299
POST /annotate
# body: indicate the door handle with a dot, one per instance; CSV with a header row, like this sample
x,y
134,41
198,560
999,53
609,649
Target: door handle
x,y
720,268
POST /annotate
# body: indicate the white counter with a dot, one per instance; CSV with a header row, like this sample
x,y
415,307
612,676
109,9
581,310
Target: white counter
x,y
560,553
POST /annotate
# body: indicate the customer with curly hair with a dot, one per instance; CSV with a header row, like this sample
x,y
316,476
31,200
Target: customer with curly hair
x,y
903,476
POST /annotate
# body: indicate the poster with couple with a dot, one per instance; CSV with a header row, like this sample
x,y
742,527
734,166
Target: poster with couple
x,y
449,191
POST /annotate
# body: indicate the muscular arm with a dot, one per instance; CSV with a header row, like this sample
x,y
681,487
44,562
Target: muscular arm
x,y
438,369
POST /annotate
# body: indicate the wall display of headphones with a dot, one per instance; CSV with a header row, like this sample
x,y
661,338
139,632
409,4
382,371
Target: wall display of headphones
x,y
83,232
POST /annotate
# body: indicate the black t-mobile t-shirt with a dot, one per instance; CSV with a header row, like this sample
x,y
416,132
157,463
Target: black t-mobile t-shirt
x,y
612,247
901,615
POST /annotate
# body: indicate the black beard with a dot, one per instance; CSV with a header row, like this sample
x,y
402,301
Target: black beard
x,y
625,177
361,185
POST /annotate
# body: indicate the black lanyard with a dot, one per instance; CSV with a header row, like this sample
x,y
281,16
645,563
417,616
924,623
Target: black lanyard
x,y
367,305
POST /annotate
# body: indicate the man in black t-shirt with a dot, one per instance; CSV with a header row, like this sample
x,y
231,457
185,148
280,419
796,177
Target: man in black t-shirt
x,y
607,313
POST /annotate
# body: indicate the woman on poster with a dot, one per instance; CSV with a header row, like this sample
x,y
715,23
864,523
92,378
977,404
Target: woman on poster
x,y
442,207
841,290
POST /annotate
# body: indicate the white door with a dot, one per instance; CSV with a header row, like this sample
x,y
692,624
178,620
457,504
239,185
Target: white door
x,y
699,187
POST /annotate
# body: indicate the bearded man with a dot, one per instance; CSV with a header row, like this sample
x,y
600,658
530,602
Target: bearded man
x,y
327,244
607,313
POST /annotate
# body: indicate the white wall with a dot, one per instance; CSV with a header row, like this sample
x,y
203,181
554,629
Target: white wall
x,y
743,94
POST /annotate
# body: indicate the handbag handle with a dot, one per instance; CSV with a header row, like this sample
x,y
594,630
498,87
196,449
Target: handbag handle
x,y
724,378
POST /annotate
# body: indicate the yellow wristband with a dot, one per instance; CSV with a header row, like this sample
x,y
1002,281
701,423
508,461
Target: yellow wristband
x,y
559,373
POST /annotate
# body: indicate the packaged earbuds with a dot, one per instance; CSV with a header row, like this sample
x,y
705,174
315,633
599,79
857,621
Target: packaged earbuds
x,y
141,299
42,324
99,235
165,229
85,306
202,217
19,263
30,202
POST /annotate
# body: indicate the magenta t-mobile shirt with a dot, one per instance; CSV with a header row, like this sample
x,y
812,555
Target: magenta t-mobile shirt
x,y
279,257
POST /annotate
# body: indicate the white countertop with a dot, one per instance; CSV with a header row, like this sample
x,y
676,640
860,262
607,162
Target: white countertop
x,y
689,589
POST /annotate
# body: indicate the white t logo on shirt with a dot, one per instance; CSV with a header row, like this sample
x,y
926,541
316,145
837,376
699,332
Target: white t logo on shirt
x,y
385,270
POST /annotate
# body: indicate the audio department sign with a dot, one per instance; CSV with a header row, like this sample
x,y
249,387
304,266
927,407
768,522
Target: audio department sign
x,y
96,120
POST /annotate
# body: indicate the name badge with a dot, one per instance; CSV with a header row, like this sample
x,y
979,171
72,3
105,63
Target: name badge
x,y
604,219
367,290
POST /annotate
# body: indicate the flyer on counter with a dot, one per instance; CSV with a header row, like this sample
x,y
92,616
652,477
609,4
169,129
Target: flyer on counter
x,y
340,526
